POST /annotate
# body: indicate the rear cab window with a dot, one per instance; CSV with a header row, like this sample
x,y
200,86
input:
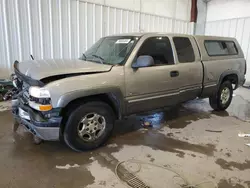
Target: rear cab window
x,y
220,48
184,49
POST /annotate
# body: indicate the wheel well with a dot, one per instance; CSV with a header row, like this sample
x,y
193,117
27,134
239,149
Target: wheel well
x,y
233,78
79,101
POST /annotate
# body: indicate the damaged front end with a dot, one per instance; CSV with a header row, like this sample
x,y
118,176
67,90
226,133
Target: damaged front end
x,y
32,108
6,88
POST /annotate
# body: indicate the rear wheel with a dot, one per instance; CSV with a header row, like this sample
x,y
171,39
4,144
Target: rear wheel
x,y
223,97
89,126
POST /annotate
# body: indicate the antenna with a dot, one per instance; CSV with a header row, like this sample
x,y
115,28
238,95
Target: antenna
x,y
31,56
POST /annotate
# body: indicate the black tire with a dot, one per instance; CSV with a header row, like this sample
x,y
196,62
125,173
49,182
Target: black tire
x,y
215,101
61,137
71,137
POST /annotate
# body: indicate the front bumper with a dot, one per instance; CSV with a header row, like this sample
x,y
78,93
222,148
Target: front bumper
x,y
46,129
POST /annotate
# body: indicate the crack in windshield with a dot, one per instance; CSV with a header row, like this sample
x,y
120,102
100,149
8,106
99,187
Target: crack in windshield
x,y
110,50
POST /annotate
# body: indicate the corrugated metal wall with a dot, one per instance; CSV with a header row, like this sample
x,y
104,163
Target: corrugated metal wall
x,y
66,28
238,28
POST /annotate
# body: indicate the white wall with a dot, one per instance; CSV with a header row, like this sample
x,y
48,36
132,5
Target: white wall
x,y
231,18
201,17
179,9
66,28
227,9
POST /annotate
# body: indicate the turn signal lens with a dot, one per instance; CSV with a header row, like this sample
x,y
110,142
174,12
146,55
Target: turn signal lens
x,y
45,107
40,107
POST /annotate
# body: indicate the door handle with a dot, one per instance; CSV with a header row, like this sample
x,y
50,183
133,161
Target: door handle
x,y
174,73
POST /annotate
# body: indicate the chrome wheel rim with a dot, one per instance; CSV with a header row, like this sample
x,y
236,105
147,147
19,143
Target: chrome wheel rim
x,y
225,95
91,127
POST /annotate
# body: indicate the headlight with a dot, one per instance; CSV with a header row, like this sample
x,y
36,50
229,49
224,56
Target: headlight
x,y
39,92
39,99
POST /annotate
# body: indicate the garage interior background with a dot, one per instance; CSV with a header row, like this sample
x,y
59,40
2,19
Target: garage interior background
x,y
66,28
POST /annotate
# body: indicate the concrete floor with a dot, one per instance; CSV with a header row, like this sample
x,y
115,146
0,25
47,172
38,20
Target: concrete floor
x,y
192,140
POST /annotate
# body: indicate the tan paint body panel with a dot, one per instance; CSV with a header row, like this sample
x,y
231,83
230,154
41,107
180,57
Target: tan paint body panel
x,y
147,88
215,66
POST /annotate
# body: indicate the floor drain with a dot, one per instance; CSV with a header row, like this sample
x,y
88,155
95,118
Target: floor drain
x,y
130,178
123,174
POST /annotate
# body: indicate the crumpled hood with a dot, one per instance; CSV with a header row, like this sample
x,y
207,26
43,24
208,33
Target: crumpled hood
x,y
39,69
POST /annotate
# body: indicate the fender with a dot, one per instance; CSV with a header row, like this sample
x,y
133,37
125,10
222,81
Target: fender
x,y
226,73
207,92
114,94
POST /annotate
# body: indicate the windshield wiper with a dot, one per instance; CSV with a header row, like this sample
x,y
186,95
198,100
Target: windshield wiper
x,y
84,56
99,57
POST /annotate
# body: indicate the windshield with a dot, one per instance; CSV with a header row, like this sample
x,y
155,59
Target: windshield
x,y
110,50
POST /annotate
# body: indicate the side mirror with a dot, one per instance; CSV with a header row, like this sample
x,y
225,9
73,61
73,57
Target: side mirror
x,y
143,61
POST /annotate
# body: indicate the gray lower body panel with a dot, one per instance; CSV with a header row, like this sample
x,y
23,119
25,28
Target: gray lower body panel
x,y
45,133
45,130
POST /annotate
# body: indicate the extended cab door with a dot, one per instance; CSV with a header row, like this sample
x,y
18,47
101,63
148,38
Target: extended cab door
x,y
155,86
189,65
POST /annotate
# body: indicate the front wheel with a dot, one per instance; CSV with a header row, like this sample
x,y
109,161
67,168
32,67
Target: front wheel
x,y
223,98
89,126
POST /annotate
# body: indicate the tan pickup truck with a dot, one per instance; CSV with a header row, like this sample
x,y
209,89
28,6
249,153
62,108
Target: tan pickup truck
x,y
78,100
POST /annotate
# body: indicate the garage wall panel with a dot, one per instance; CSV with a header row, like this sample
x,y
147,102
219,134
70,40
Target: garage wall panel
x,y
232,27
227,9
4,45
24,26
65,23
82,27
36,30
45,16
11,22
74,28
66,28
55,28
155,23
130,23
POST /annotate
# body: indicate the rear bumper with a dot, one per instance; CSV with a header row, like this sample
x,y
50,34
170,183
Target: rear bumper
x,y
243,82
46,129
